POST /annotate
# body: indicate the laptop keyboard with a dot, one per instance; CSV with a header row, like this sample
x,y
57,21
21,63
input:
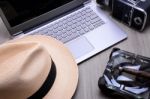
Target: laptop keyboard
x,y
72,26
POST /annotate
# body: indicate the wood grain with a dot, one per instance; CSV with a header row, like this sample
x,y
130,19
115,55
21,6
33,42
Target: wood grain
x,y
91,69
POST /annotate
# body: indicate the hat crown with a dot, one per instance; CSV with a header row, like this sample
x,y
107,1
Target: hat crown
x,y
24,66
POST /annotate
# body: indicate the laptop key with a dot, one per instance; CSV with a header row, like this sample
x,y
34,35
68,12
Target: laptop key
x,y
91,27
78,28
81,32
97,24
86,29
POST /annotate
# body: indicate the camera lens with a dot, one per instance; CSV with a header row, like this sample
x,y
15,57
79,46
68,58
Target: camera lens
x,y
138,20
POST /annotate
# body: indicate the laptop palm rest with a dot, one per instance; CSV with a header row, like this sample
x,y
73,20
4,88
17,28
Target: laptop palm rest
x,y
79,47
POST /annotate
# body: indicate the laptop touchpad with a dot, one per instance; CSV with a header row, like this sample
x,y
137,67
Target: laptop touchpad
x,y
79,46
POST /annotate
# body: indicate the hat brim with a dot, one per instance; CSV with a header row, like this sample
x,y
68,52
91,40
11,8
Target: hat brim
x,y
67,71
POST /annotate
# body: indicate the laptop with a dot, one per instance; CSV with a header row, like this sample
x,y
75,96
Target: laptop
x,y
79,24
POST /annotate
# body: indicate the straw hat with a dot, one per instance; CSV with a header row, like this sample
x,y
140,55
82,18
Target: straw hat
x,y
36,67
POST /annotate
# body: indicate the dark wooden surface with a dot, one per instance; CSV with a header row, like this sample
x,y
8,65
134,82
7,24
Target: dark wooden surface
x,y
91,69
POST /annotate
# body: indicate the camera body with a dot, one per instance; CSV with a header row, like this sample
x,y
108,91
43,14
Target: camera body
x,y
134,13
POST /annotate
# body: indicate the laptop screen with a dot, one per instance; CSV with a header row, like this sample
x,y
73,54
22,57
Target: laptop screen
x,y
22,15
18,11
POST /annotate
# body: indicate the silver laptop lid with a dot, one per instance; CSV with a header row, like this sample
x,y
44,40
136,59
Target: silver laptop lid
x,y
21,15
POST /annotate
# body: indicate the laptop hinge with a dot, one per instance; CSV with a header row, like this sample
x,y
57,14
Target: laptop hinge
x,y
88,1
18,33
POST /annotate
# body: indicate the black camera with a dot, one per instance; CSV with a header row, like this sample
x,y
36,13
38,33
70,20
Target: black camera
x,y
134,13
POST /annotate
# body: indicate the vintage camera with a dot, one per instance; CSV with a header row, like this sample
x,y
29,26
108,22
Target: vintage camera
x,y
134,13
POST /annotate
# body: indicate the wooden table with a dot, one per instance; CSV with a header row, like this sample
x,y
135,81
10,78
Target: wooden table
x,y
91,69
